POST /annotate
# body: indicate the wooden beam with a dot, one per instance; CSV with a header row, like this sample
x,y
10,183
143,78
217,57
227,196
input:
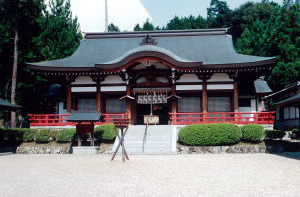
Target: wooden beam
x,y
204,97
69,98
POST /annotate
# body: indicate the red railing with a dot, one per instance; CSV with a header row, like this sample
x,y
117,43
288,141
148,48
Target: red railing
x,y
222,117
60,119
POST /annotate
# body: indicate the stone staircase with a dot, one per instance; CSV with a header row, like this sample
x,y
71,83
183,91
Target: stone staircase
x,y
160,139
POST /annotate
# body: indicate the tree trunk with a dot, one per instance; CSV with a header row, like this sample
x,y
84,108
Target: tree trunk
x,y
14,78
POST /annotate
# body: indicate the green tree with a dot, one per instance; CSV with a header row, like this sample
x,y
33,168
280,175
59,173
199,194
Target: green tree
x,y
148,26
247,14
60,34
137,28
190,22
113,28
280,37
19,20
218,14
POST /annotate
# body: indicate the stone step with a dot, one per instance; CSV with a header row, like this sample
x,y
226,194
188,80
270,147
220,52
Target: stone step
x,y
159,140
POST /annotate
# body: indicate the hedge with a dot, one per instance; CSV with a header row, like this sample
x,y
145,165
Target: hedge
x,y
296,133
29,135
209,134
65,135
252,133
274,134
43,135
16,135
106,132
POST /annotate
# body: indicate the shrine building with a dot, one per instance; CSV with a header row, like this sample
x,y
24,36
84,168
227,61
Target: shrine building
x,y
181,76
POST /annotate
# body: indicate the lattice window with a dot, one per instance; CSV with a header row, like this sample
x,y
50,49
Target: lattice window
x,y
219,104
189,104
87,104
115,105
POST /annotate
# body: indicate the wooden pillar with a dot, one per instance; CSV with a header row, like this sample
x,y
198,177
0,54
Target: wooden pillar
x,y
98,99
69,98
173,101
204,97
235,97
128,102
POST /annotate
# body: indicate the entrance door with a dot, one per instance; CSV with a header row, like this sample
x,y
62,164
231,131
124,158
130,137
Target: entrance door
x,y
161,110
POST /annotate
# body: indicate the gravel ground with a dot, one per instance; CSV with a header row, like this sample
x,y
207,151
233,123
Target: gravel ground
x,y
149,175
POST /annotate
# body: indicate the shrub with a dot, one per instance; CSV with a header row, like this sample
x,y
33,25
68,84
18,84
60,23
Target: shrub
x,y
65,135
209,134
43,135
252,133
107,132
14,134
274,134
2,134
29,135
296,133
53,134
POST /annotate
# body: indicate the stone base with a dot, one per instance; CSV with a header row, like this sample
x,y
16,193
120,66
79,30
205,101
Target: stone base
x,y
87,150
220,149
46,148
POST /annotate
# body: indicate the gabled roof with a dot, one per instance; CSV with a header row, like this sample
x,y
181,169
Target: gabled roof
x,y
7,105
84,117
207,47
293,99
288,88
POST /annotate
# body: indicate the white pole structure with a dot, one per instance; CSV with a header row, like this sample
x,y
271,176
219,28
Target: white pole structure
x,y
106,17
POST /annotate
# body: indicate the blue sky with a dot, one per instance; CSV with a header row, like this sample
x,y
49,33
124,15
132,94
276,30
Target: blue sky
x,y
162,11
127,13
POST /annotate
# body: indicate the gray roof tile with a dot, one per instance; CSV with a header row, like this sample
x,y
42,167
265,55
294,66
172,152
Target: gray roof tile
x,y
292,99
261,87
84,116
206,48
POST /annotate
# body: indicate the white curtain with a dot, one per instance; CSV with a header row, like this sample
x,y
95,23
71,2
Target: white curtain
x,y
189,104
219,104
115,105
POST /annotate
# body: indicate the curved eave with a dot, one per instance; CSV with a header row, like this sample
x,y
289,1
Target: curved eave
x,y
59,68
269,62
128,61
136,57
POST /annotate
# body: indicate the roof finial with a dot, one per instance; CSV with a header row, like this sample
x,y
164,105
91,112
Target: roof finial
x,y
106,17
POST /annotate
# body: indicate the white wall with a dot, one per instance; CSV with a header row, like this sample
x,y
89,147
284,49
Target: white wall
x,y
188,87
83,80
220,87
61,109
113,79
83,89
113,88
219,77
186,78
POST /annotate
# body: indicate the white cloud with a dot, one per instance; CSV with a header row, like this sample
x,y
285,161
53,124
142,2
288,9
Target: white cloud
x,y
123,13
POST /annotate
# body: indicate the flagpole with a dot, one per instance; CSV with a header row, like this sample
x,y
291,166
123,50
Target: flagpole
x,y
106,17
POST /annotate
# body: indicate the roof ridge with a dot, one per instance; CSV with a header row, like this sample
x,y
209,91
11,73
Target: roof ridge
x,y
187,32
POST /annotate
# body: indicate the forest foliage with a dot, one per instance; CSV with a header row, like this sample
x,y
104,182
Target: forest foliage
x,y
263,29
50,32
